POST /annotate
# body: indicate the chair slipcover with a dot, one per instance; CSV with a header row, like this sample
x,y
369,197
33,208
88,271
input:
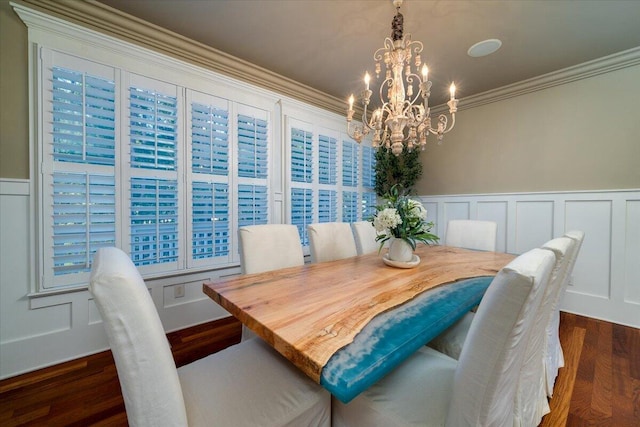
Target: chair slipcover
x,y
329,241
472,234
554,359
431,389
244,385
450,342
268,247
531,396
365,237
146,369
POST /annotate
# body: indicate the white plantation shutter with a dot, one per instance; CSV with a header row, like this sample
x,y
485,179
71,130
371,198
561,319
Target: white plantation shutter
x,y
154,133
302,211
350,161
154,221
328,206
350,178
368,204
252,205
350,206
78,159
209,139
253,166
327,160
83,219
301,155
368,182
210,220
368,167
209,205
252,147
83,118
154,207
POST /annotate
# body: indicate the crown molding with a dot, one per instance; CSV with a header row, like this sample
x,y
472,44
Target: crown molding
x,y
606,64
107,20
110,21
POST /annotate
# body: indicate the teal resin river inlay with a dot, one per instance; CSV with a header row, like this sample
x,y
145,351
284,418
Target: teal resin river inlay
x,y
393,336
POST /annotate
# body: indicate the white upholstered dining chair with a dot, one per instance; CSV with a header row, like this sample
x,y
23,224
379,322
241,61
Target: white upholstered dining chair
x,y
247,384
268,247
539,374
329,241
472,234
365,235
554,358
432,389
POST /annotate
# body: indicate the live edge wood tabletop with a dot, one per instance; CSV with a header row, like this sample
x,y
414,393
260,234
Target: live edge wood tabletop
x,y
308,313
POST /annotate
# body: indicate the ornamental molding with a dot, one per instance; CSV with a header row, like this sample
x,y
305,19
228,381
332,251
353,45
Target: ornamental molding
x,y
112,22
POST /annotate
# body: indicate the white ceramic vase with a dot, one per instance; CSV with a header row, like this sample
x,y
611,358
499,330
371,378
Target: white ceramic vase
x,y
400,250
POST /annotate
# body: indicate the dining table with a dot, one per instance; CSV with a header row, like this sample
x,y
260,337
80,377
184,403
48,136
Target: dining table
x,y
347,323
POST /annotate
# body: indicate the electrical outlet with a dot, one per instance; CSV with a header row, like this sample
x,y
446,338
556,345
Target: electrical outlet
x,y
178,291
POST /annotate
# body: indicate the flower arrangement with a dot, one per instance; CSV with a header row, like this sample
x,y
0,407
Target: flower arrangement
x,y
403,218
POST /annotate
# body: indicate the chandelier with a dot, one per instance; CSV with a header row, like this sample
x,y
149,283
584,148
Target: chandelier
x,y
404,116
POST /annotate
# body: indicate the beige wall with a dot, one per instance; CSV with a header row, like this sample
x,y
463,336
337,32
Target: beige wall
x,y
517,145
584,135
14,113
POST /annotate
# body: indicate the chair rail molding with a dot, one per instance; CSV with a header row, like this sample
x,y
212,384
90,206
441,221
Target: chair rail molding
x,y
605,283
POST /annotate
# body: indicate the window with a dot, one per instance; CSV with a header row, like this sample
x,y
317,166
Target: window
x,y
325,179
368,182
209,204
302,178
165,161
163,171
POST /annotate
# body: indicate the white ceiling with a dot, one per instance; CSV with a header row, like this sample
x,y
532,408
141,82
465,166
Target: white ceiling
x,y
329,44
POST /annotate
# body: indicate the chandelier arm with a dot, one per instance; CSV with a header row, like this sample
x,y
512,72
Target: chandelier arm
x,y
416,46
453,123
413,101
388,47
389,83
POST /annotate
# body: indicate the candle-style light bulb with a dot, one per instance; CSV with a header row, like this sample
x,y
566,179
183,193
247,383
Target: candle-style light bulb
x,y
351,102
366,79
452,90
425,73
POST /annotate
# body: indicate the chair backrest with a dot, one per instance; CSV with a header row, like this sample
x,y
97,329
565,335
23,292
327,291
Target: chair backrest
x,y
531,397
146,369
578,237
564,248
329,241
472,234
269,247
365,235
486,378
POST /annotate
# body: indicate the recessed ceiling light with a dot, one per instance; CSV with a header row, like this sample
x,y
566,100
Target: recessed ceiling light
x,y
484,48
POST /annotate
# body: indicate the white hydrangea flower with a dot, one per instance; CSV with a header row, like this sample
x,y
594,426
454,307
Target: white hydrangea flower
x,y
387,218
416,209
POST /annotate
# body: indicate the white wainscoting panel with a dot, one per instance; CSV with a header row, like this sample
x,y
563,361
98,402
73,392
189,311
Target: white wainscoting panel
x,y
632,253
534,224
41,331
592,273
496,211
605,283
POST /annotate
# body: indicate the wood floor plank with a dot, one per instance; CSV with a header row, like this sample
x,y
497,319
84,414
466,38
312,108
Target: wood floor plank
x,y
572,343
601,401
598,386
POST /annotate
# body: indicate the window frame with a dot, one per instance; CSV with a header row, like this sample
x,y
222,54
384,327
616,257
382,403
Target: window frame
x,y
128,64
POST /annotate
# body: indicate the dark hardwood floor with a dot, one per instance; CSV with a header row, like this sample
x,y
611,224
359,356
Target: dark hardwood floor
x,y
600,386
